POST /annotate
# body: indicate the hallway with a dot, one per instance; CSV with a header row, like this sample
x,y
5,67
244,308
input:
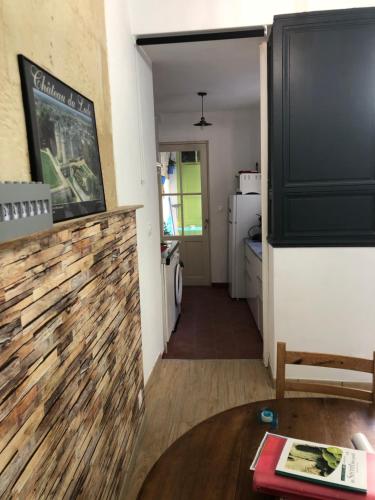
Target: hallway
x,y
182,393
214,326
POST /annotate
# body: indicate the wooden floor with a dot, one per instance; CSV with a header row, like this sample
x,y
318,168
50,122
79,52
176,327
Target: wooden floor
x,y
182,393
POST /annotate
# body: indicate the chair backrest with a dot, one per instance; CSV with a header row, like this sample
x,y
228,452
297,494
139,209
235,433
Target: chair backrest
x,y
285,357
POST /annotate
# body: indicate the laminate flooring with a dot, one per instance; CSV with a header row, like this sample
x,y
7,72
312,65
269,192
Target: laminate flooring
x,y
214,326
182,393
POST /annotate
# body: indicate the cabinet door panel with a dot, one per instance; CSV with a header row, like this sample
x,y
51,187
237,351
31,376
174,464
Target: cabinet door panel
x,y
322,129
329,122
340,214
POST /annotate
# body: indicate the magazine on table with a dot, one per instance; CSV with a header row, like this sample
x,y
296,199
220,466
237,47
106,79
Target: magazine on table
x,y
323,464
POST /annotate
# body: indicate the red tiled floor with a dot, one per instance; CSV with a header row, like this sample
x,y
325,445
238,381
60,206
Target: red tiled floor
x,y
214,326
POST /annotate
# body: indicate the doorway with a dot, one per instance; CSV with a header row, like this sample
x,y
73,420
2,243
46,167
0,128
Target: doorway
x,y
212,325
183,185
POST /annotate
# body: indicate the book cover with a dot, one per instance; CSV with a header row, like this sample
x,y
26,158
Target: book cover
x,y
265,479
323,464
261,446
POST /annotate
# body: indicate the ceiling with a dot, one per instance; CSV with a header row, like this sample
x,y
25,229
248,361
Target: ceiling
x,y
228,70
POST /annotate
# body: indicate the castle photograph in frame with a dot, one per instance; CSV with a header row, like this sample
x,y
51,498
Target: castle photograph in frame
x,y
63,142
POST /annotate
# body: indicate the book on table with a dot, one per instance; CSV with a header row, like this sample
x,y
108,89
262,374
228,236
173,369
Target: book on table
x,y
295,468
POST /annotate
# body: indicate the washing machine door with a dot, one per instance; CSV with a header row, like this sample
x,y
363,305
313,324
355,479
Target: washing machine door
x,y
178,284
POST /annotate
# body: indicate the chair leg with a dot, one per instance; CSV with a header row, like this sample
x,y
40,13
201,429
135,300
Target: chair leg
x,y
280,370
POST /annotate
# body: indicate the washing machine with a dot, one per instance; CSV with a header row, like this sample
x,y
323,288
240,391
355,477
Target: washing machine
x,y
172,287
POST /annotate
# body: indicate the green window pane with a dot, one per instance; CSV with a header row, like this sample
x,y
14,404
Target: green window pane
x,y
170,173
192,214
172,219
191,178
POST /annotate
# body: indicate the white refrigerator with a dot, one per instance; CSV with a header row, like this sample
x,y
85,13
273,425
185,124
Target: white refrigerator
x,y
243,211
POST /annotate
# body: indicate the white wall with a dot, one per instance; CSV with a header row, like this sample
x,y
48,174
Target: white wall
x,y
314,290
135,157
149,16
324,301
234,144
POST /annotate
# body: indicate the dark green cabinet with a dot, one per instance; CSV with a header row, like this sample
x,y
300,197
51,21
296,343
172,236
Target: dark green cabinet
x,y
322,129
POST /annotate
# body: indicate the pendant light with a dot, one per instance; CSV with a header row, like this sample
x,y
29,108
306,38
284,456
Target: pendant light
x,y
202,123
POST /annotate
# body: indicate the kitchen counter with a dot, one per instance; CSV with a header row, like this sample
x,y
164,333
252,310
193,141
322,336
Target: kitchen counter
x,y
255,246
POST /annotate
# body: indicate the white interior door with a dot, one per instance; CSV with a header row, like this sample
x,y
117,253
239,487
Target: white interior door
x,y
183,184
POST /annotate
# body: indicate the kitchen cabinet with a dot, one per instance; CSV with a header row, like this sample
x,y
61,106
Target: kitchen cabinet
x,y
321,78
253,267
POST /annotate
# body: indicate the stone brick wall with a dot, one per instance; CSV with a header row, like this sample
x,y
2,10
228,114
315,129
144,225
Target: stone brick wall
x,y
70,358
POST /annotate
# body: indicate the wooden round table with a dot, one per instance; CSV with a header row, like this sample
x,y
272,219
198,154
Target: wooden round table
x,y
211,461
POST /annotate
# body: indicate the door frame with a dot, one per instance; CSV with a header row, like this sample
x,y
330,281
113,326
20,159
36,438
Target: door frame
x,y
206,204
267,273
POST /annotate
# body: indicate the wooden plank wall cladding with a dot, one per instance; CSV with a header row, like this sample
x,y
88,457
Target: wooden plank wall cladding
x,y
70,359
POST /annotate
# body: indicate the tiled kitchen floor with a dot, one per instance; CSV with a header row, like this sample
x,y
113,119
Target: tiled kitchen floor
x,y
214,326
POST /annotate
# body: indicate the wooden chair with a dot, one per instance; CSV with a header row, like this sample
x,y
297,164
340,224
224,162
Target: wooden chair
x,y
285,357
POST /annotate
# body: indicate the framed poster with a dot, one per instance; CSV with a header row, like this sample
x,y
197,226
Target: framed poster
x,y
63,142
